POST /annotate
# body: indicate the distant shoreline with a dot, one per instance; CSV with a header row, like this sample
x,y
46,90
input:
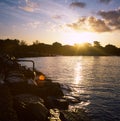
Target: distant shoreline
x,y
20,49
71,56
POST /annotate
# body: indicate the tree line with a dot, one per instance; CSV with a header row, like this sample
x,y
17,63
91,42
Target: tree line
x,y
19,48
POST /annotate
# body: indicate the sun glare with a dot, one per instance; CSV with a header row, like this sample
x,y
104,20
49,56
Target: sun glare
x,y
79,38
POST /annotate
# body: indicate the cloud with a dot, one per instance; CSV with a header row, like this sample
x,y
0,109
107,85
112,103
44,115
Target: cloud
x,y
77,4
105,1
57,17
33,25
30,6
112,17
90,24
27,8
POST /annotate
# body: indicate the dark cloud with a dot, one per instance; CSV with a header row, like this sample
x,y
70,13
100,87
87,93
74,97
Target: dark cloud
x,y
98,25
112,17
90,24
105,1
77,4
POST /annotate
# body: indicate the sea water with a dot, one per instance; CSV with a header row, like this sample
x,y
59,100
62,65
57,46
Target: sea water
x,y
94,80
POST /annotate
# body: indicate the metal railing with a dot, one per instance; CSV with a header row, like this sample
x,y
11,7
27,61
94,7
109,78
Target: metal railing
x,y
29,61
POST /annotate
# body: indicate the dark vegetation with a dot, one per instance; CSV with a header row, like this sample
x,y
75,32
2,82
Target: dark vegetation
x,y
19,48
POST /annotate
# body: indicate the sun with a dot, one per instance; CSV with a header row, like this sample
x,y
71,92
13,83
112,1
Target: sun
x,y
72,38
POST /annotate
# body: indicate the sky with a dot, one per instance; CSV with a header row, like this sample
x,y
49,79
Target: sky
x,y
63,21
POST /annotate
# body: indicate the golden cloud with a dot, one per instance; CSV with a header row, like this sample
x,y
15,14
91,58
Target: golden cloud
x,y
90,24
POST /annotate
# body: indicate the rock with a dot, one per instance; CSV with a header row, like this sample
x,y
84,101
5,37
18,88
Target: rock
x,y
54,115
2,78
29,98
74,116
60,103
21,88
54,89
71,99
38,111
7,112
66,88
68,116
30,107
14,76
47,89
14,79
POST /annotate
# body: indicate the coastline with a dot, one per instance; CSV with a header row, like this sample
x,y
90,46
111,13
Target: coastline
x,y
22,99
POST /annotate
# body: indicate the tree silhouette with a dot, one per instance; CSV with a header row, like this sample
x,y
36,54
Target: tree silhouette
x,y
112,50
96,44
57,44
19,48
36,42
57,47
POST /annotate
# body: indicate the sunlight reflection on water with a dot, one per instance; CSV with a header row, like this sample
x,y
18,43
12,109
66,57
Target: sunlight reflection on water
x,y
78,73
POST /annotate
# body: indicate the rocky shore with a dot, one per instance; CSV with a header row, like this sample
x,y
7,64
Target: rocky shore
x,y
27,95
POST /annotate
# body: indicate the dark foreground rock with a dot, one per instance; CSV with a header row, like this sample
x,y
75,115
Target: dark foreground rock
x,y
30,107
74,116
7,112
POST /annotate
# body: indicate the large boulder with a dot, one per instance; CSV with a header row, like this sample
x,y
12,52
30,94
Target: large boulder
x,y
48,88
30,107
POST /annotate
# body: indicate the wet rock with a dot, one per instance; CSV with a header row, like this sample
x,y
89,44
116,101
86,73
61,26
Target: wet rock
x,y
30,107
29,98
54,89
65,115
54,115
74,116
71,99
60,103
65,88
49,89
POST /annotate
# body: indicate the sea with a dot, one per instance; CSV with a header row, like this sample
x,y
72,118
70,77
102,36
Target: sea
x,y
94,80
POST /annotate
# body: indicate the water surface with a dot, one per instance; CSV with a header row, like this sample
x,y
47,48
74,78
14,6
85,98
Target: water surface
x,y
94,80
